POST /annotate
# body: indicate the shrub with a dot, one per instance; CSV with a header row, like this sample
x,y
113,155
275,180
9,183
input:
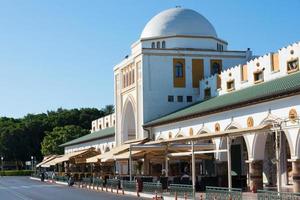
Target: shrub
x,y
16,173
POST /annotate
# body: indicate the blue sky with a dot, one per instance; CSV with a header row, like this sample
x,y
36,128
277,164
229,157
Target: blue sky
x,y
56,53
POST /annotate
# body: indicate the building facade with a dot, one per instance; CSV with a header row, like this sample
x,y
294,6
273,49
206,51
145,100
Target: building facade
x,y
101,138
181,81
176,49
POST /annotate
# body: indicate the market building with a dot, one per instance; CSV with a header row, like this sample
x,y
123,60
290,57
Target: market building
x,y
186,104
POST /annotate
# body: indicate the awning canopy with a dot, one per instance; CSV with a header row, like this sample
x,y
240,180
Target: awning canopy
x,y
109,156
78,156
51,162
122,156
46,159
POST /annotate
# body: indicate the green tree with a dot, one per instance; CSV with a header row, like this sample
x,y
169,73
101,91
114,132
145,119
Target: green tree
x,y
109,109
21,138
60,135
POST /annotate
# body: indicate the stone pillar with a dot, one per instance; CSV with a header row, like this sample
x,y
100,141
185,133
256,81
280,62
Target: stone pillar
x,y
255,175
296,175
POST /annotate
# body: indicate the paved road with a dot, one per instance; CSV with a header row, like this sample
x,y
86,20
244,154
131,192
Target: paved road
x,y
22,188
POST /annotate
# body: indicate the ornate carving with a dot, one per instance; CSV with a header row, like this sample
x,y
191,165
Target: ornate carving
x,y
170,135
191,132
293,115
217,127
250,122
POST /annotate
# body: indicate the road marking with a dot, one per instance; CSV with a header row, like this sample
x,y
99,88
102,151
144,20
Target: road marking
x,y
27,186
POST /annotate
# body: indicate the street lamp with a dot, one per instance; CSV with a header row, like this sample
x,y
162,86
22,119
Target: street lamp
x,y
2,163
31,162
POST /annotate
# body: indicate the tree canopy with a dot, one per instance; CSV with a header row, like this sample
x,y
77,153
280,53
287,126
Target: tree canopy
x,y
21,138
60,135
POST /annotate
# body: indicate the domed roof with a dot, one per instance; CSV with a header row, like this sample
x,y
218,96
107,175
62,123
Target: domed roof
x,y
178,21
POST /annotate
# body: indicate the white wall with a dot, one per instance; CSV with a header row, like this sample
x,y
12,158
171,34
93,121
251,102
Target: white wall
x,y
158,78
278,109
100,145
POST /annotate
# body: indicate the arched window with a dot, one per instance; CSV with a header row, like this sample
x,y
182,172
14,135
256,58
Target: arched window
x,y
158,45
179,70
132,73
129,78
153,45
163,44
126,82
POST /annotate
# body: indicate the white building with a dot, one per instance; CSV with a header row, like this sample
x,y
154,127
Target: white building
x,y
101,138
181,81
177,48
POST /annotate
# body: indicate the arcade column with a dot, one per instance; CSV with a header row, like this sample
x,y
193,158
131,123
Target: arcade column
x,y
296,175
256,175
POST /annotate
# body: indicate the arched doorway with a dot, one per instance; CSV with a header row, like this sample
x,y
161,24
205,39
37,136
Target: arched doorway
x,y
264,151
239,156
129,122
270,161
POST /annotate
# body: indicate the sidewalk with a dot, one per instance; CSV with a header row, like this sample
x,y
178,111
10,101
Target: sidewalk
x,y
199,196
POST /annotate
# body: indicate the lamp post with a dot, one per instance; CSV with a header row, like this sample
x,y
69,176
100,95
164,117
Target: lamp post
x,y
31,162
2,163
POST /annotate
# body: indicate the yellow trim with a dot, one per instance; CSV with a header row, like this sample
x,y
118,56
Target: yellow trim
x,y
244,73
275,62
197,71
250,122
191,132
179,81
293,115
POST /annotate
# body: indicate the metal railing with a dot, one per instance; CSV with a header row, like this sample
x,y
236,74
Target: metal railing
x,y
152,187
220,193
181,190
61,178
98,182
129,185
113,183
273,195
86,182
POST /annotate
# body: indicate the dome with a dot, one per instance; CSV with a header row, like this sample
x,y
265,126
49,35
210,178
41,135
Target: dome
x,y
178,21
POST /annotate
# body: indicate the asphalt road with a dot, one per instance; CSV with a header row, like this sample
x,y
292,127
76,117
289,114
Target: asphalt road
x,y
22,188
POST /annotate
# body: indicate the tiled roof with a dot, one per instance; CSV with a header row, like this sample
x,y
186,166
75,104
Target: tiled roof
x,y
104,133
265,90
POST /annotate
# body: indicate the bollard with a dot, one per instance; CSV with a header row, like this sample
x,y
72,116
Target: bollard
x,y
111,188
117,190
175,195
155,195
106,188
137,193
185,196
123,191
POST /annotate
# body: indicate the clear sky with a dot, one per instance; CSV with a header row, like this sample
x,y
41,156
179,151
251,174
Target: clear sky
x,y
61,53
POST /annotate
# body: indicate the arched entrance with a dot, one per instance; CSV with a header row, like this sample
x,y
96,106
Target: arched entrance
x,y
129,122
239,156
264,153
270,162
